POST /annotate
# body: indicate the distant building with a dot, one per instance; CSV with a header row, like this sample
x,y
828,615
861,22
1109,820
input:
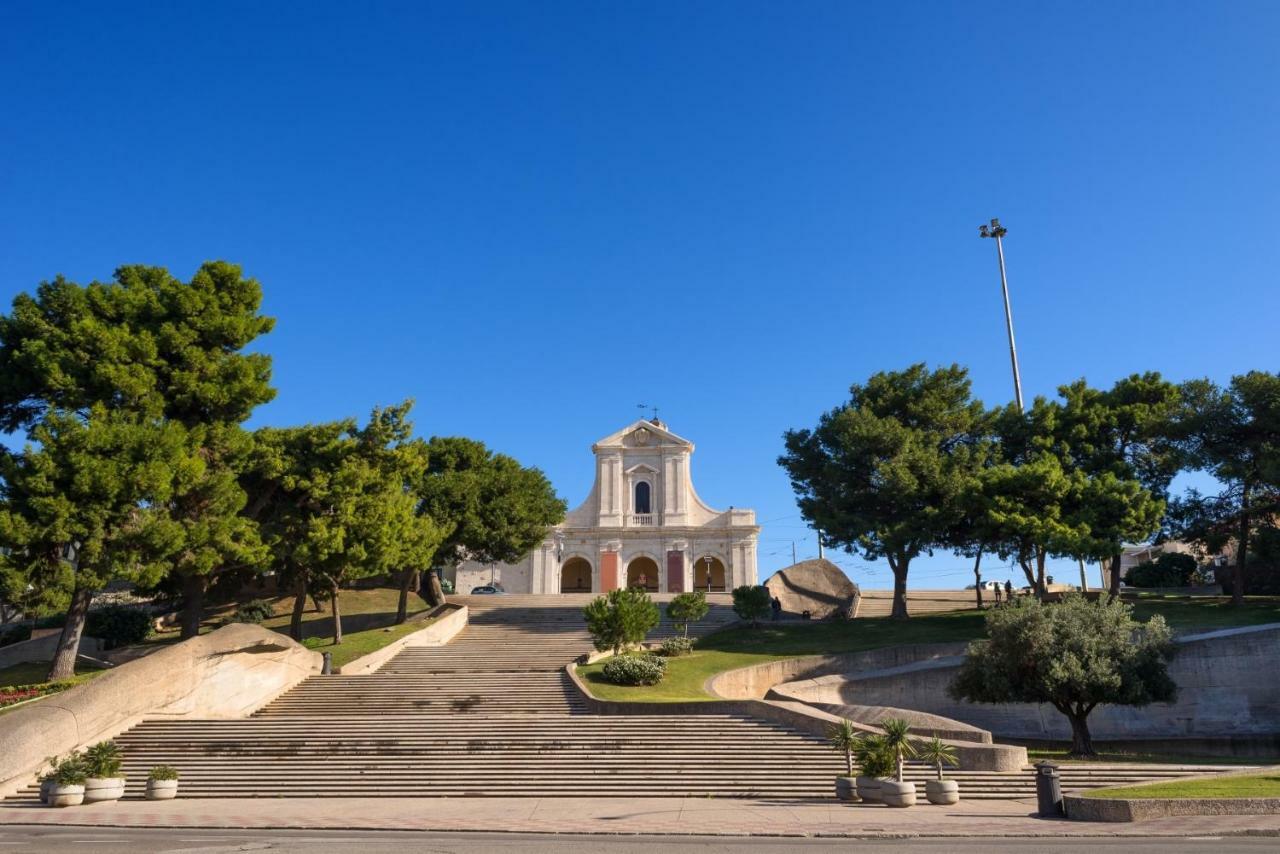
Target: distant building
x,y
642,525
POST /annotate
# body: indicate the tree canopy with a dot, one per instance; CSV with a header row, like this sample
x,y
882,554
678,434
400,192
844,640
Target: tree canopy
x,y
1074,656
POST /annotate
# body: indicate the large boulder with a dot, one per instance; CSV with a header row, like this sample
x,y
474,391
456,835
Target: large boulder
x,y
817,586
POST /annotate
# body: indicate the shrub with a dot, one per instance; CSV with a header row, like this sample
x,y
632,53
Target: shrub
x,y
1168,570
687,608
620,618
751,602
253,611
71,771
873,757
672,647
635,670
15,633
103,760
118,625
163,772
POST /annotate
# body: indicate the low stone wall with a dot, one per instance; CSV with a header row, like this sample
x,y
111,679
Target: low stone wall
x,y
972,756
447,621
1142,809
42,648
1221,694
227,673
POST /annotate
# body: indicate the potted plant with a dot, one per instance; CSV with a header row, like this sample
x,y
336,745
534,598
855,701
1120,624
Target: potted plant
x,y
844,738
102,761
162,783
68,782
48,779
897,744
874,763
936,753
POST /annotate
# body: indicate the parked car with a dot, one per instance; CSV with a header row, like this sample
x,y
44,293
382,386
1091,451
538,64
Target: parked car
x,y
486,589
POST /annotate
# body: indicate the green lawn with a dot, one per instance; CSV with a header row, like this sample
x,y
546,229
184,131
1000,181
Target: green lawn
x,y
34,673
1263,785
368,622
733,648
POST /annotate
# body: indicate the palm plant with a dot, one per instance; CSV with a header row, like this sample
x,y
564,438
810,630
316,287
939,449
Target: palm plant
x,y
872,756
845,738
103,759
897,741
936,752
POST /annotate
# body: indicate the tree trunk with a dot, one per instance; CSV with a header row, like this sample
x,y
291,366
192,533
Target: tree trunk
x,y
900,567
299,605
192,604
1242,551
1113,581
848,761
1081,741
900,763
64,659
435,593
1041,588
977,577
337,615
406,581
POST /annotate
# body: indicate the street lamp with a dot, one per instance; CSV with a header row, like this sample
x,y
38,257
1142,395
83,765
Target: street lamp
x,y
998,231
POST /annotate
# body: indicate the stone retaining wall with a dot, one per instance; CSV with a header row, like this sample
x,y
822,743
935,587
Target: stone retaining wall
x,y
1141,809
449,619
228,673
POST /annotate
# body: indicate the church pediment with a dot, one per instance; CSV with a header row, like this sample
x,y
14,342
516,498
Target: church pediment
x,y
643,434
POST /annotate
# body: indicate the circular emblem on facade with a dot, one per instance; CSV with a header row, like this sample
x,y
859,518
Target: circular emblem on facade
x,y
642,436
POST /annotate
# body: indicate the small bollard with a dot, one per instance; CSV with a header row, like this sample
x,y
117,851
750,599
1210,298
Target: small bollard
x,y
1048,790
326,669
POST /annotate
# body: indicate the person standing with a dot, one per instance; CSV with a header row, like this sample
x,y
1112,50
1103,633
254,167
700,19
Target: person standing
x,y
1008,592
997,592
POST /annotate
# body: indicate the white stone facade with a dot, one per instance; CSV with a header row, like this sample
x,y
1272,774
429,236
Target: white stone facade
x,y
642,525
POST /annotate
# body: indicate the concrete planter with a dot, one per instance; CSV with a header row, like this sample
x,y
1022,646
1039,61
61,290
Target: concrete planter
x,y
103,789
66,796
162,790
846,788
869,789
895,794
942,792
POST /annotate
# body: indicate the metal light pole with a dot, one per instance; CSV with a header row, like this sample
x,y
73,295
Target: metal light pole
x,y
998,231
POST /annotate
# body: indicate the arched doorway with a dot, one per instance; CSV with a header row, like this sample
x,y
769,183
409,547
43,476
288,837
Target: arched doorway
x,y
643,573
708,569
575,576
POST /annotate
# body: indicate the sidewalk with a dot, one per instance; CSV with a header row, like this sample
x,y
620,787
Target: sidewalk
x,y
681,816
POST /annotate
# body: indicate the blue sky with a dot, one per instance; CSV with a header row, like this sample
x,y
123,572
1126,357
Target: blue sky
x,y
531,217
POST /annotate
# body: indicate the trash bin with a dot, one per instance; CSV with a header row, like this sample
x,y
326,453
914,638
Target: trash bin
x,y
1048,789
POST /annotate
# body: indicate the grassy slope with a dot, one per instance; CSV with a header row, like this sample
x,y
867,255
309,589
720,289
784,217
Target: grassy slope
x,y
1264,785
366,617
34,673
735,648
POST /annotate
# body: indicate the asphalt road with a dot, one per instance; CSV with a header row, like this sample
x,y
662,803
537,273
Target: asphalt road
x,y
154,841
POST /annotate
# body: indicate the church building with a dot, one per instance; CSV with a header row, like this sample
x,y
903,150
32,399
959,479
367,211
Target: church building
x,y
643,525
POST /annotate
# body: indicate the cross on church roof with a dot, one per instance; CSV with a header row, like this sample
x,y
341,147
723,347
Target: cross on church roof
x,y
649,406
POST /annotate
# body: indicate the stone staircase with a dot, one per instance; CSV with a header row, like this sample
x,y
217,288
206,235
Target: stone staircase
x,y
493,714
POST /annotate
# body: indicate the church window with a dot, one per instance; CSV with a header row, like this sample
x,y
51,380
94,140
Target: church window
x,y
642,498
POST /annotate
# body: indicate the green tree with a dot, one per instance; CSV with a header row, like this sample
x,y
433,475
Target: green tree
x,y
1073,655
84,504
492,509
620,618
686,608
1234,435
897,742
751,602
845,738
153,346
886,474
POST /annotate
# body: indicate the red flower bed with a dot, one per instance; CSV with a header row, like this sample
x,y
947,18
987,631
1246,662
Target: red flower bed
x,y
11,694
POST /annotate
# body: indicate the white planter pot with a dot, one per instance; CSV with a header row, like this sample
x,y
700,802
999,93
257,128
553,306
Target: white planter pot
x,y
66,796
942,792
846,789
162,790
103,789
895,794
869,789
